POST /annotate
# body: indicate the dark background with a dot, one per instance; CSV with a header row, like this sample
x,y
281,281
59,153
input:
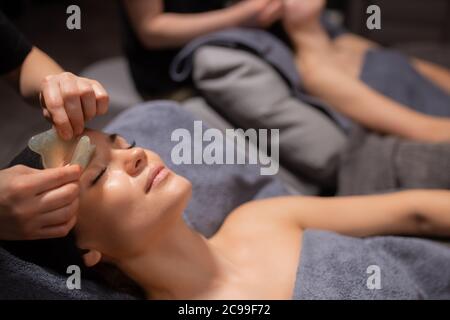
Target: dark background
x,y
44,23
417,27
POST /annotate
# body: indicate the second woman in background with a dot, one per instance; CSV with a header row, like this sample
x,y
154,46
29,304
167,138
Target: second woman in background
x,y
156,30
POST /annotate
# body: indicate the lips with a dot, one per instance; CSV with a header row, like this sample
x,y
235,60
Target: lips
x,y
151,177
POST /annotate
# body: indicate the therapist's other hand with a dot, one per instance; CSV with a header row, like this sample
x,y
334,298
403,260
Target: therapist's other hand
x,y
38,204
69,101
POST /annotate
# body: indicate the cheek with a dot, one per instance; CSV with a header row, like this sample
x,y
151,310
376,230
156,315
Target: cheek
x,y
105,209
118,217
119,190
116,193
172,198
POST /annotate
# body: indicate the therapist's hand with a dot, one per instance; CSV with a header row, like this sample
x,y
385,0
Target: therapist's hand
x,y
263,12
69,101
270,13
38,204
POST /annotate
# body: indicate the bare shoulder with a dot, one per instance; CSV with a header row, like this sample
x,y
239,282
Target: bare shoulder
x,y
266,242
264,215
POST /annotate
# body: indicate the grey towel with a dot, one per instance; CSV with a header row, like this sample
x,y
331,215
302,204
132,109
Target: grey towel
x,y
338,267
392,74
23,280
372,163
262,44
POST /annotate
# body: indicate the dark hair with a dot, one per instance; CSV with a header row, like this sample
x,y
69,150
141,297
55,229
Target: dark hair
x,y
57,254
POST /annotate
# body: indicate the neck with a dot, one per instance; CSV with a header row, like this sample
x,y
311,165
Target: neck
x,y
182,264
310,36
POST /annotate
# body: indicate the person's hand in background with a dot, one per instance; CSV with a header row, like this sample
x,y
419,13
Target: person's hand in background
x,y
38,204
265,12
69,101
157,29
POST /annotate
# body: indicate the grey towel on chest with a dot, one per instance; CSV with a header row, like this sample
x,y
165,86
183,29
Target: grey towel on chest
x,y
341,268
392,74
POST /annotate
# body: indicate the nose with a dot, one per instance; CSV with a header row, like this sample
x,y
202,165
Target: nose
x,y
136,161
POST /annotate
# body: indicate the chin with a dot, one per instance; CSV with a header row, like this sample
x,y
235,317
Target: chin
x,y
182,187
177,191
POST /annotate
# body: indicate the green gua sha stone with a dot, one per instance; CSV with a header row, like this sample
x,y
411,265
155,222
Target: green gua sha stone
x,y
53,150
50,147
83,152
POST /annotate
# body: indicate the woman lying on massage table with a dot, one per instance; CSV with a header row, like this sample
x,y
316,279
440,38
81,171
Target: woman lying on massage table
x,y
131,216
331,69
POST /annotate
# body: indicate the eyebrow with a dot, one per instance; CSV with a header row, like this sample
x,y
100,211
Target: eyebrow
x,y
113,137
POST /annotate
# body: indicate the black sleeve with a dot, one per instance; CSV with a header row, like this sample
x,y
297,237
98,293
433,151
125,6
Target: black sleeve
x,y
14,47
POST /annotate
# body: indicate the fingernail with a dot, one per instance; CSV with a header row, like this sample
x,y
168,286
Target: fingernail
x,y
75,167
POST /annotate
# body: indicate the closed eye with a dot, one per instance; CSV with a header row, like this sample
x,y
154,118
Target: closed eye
x,y
102,172
99,176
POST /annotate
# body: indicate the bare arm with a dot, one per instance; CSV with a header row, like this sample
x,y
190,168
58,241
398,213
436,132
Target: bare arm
x,y
67,101
440,76
157,29
421,213
29,77
356,100
371,109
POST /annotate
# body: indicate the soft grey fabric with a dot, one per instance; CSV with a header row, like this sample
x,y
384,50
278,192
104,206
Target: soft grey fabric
x,y
198,107
336,267
23,280
392,74
367,164
372,163
251,94
264,45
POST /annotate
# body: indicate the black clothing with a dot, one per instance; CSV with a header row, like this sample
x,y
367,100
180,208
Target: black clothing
x,y
15,47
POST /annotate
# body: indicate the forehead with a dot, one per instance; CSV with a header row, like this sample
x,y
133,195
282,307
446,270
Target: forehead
x,y
98,138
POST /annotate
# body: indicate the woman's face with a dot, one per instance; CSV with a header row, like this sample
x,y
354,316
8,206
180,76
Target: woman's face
x,y
128,197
